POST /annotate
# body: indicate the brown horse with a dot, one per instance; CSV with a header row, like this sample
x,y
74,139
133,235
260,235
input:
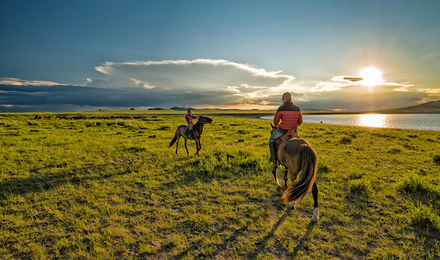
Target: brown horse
x,y
297,155
196,133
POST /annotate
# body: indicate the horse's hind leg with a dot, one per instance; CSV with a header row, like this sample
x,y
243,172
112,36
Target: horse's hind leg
x,y
177,143
274,172
286,177
186,147
315,199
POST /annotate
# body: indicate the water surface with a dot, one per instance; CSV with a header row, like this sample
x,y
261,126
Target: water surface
x,y
404,121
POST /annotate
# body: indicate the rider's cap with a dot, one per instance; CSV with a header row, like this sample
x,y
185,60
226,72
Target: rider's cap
x,y
286,95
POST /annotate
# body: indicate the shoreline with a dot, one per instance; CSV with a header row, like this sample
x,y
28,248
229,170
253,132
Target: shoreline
x,y
372,124
254,117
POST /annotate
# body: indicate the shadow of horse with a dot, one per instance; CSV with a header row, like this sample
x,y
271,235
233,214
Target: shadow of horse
x,y
196,134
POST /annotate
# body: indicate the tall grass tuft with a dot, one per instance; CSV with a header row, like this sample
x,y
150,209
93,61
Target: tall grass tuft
x,y
423,216
436,158
346,139
413,184
323,168
360,186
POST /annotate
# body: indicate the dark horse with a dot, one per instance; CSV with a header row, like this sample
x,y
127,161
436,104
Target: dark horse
x,y
297,155
196,133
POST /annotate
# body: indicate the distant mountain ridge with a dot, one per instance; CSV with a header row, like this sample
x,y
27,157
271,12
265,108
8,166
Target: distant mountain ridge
x,y
431,107
310,109
425,108
182,108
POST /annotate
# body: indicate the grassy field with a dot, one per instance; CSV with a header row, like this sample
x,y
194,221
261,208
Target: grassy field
x,y
112,189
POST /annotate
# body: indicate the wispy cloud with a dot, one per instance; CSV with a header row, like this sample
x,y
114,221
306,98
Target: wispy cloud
x,y
340,82
19,82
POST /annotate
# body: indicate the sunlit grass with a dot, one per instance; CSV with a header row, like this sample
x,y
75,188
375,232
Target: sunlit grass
x,y
112,189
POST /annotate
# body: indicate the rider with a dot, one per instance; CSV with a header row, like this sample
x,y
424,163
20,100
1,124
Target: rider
x,y
290,116
190,120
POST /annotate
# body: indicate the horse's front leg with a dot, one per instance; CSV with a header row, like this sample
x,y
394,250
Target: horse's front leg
x,y
315,199
186,147
274,172
198,146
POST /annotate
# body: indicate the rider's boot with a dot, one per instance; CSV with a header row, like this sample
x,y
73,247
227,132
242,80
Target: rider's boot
x,y
188,133
272,152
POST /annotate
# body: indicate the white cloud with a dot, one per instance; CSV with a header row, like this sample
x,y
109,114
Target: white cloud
x,y
229,82
142,84
20,82
328,86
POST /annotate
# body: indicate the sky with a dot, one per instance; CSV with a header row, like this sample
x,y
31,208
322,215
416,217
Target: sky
x,y
61,56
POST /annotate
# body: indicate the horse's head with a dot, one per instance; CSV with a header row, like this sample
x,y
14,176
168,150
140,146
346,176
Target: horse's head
x,y
204,120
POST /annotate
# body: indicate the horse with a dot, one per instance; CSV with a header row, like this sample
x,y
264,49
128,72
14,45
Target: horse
x,y
297,155
196,133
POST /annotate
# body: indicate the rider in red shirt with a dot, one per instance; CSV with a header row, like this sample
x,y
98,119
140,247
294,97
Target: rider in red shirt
x,y
190,120
290,116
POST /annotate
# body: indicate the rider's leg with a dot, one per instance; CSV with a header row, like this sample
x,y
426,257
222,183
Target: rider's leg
x,y
190,127
272,152
275,135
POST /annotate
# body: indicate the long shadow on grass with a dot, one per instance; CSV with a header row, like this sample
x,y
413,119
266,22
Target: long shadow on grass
x,y
46,182
266,238
304,239
221,248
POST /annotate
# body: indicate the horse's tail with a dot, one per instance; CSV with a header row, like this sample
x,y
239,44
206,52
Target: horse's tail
x,y
296,192
173,141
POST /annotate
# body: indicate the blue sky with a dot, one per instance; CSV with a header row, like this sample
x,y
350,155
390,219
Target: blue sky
x,y
89,55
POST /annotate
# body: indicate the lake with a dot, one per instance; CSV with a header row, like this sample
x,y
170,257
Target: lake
x,y
404,121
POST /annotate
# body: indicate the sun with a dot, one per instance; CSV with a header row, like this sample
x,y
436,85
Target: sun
x,y
371,76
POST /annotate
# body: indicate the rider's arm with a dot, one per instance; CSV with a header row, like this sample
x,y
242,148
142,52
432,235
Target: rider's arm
x,y
277,118
300,119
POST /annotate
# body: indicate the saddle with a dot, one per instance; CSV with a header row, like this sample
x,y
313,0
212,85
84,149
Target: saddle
x,y
290,134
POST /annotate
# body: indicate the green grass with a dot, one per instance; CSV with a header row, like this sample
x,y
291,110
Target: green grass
x,y
112,189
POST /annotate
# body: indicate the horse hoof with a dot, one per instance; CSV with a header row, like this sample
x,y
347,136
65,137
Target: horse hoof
x,y
315,214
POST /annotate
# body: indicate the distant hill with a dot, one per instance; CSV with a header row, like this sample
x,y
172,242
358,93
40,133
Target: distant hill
x,y
312,109
182,108
425,108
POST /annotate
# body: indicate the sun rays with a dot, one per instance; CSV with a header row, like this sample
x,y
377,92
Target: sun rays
x,y
371,77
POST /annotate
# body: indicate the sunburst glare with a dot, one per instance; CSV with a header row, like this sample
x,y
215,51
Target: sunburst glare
x,y
371,77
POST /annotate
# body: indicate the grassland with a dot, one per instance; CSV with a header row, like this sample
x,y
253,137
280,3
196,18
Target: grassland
x,y
112,189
